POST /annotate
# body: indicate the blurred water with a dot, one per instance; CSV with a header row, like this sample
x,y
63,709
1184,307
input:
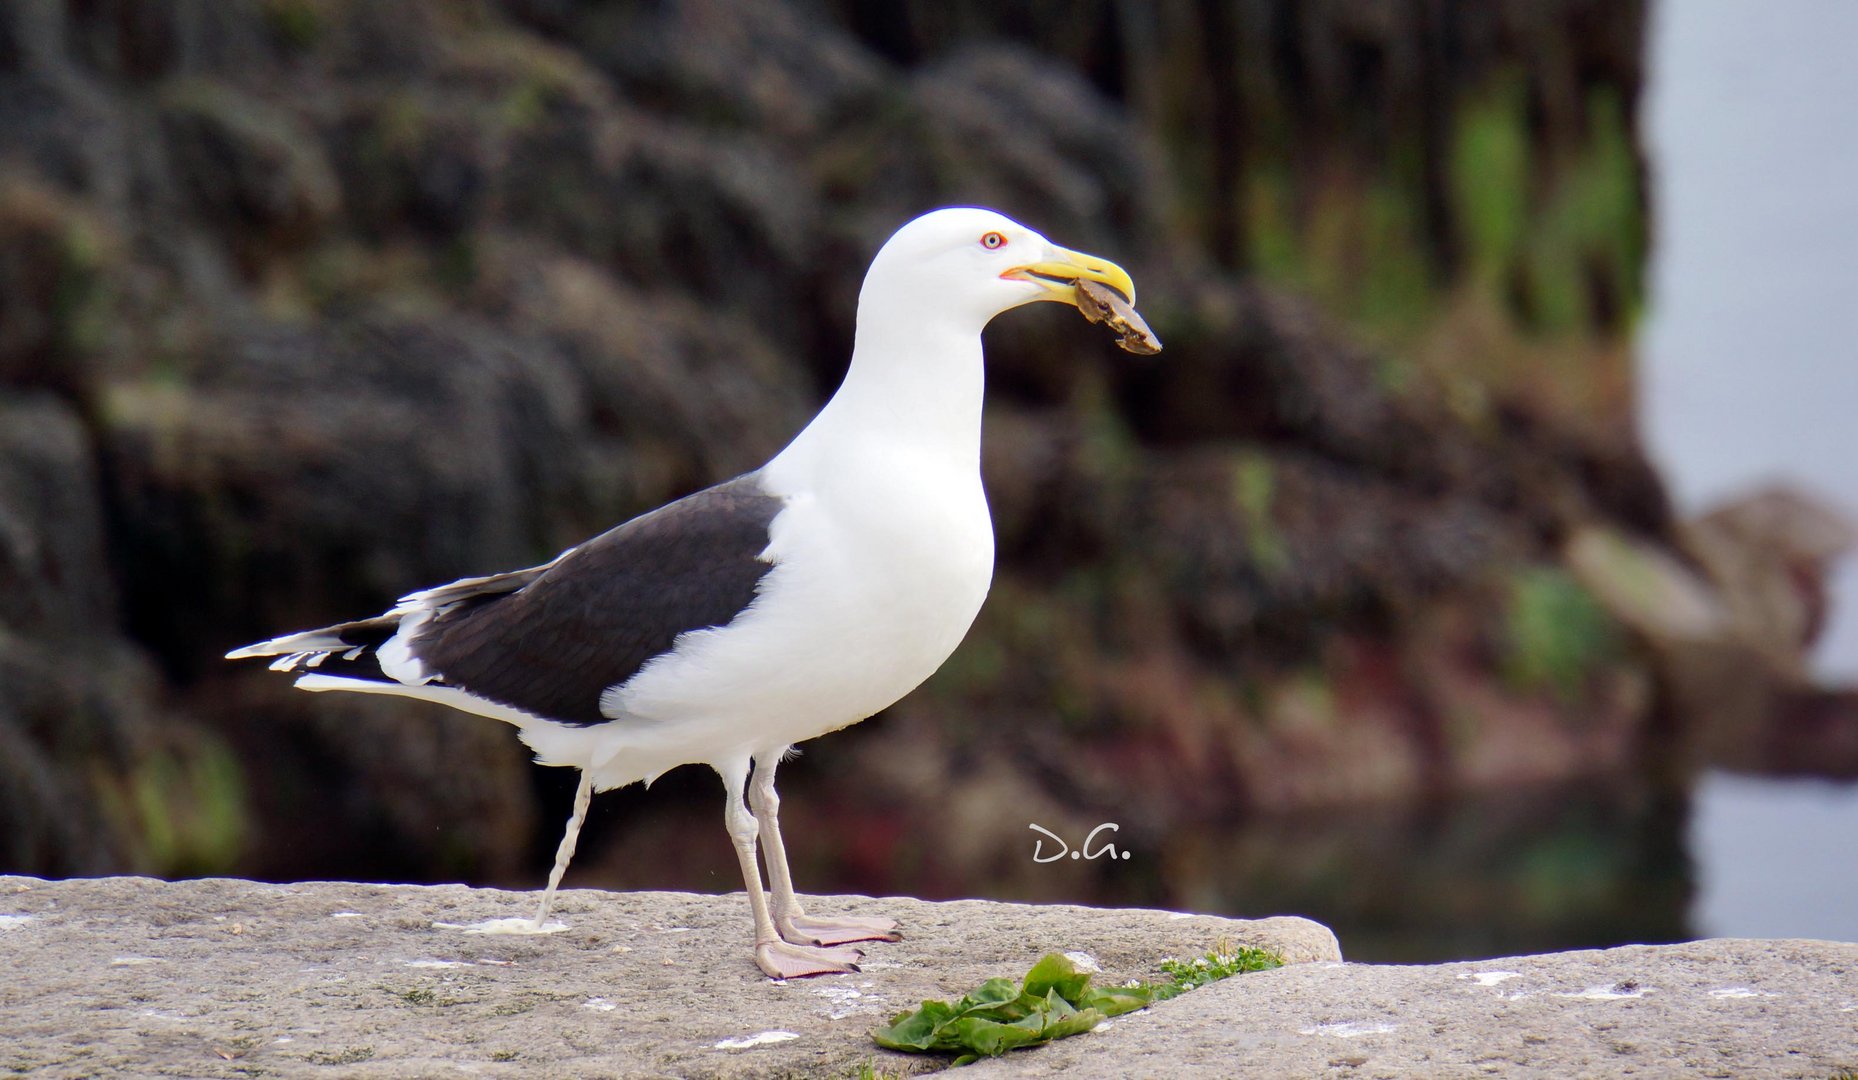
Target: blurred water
x,y
1750,353
1774,858
1572,866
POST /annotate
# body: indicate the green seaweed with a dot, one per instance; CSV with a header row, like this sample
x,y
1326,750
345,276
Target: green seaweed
x,y
1053,1001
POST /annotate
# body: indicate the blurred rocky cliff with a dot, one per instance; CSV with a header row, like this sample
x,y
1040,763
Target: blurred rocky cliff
x,y
305,304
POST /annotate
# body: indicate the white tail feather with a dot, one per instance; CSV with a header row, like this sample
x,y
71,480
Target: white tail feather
x,y
309,641
443,695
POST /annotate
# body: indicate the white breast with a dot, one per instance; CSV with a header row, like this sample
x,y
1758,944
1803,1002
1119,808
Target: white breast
x,y
873,587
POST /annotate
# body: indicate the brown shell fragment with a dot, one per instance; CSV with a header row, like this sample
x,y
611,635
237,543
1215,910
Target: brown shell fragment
x,y
1100,303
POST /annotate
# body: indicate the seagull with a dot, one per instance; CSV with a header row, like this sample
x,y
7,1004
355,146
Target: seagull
x,y
792,601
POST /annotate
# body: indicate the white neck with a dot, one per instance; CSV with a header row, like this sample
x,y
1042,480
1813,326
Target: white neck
x,y
913,383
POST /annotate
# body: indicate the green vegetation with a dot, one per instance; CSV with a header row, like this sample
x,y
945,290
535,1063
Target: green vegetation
x,y
1556,633
76,255
80,307
296,24
1505,256
1254,489
1489,173
1054,1000
187,809
1594,224
1223,962
351,1056
1354,244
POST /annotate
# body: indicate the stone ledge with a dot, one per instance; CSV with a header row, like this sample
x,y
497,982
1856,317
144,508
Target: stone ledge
x,y
225,978
1721,1008
220,978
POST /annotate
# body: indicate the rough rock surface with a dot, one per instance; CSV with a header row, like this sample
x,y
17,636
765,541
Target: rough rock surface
x,y
230,978
1722,1008
221,977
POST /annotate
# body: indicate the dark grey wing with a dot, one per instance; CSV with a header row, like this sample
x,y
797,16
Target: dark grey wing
x,y
595,616
350,649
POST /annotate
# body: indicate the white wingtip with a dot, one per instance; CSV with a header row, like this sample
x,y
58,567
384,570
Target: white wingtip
x,y
338,682
291,646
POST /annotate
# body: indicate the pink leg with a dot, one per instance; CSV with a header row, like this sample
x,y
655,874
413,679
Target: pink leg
x,y
780,959
793,923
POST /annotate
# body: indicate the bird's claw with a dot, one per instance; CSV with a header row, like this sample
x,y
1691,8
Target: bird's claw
x,y
785,960
808,930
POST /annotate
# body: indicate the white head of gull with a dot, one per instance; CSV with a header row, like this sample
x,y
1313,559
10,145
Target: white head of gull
x,y
726,627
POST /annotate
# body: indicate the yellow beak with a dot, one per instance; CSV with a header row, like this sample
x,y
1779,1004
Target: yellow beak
x,y
1061,275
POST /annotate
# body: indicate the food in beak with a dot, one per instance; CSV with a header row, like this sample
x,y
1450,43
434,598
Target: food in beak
x,y
1102,304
